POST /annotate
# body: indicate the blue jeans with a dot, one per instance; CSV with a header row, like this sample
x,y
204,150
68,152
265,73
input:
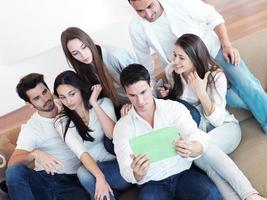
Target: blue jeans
x,y
111,171
193,111
109,146
25,183
246,91
187,185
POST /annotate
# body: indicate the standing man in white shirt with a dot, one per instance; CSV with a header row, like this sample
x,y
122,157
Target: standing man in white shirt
x,y
160,22
169,178
54,176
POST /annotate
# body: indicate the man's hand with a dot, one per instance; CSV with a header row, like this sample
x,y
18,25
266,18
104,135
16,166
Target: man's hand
x,y
140,166
48,162
231,55
186,148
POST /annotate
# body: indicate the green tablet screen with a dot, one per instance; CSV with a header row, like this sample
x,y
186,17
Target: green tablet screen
x,y
157,144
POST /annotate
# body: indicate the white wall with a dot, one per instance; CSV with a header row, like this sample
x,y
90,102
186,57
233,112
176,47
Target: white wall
x,y
30,37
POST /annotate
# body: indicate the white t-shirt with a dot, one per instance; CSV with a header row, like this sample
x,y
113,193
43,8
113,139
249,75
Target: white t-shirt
x,y
162,29
96,148
39,133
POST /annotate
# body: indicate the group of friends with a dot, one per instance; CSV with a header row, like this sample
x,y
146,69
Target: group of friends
x,y
71,135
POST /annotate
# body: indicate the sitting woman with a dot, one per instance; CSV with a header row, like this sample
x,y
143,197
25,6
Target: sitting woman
x,y
82,124
195,77
97,64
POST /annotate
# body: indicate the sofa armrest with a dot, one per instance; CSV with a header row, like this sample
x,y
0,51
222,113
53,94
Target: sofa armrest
x,y
2,161
6,149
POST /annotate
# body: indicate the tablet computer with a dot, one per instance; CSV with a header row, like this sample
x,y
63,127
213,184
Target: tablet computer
x,y
157,144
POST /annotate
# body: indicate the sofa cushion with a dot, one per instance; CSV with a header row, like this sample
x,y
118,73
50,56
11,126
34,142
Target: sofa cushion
x,y
251,155
240,114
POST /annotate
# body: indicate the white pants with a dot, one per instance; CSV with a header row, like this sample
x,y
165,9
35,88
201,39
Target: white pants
x,y
229,179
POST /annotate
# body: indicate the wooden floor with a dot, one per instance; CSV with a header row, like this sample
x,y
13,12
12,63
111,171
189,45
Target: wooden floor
x,y
242,17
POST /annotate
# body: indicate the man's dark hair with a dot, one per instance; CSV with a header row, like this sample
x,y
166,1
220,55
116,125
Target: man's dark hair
x,y
29,82
134,73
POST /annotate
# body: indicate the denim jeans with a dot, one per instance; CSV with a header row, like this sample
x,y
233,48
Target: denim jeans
x,y
187,185
111,171
193,111
25,183
246,91
109,146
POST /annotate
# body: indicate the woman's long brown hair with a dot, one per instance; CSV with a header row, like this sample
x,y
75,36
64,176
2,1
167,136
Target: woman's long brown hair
x,y
95,73
199,55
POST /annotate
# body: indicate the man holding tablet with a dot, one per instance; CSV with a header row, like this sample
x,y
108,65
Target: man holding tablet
x,y
169,178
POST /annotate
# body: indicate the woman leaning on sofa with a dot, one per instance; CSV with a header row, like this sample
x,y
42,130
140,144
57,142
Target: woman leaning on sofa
x,y
195,77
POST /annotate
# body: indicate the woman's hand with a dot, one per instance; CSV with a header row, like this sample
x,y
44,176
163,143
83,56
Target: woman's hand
x,y
102,189
125,109
163,91
197,84
96,90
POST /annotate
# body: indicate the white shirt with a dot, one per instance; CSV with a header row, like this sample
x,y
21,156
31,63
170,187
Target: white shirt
x,y
96,148
218,97
167,113
39,133
184,16
164,34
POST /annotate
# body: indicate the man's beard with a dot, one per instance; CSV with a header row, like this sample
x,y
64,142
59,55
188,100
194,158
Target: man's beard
x,y
47,107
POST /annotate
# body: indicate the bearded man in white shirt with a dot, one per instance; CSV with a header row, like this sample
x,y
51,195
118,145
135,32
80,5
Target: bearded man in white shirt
x,y
160,22
54,176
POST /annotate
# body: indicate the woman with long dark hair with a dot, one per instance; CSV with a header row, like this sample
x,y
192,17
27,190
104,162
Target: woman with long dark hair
x,y
195,77
83,122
